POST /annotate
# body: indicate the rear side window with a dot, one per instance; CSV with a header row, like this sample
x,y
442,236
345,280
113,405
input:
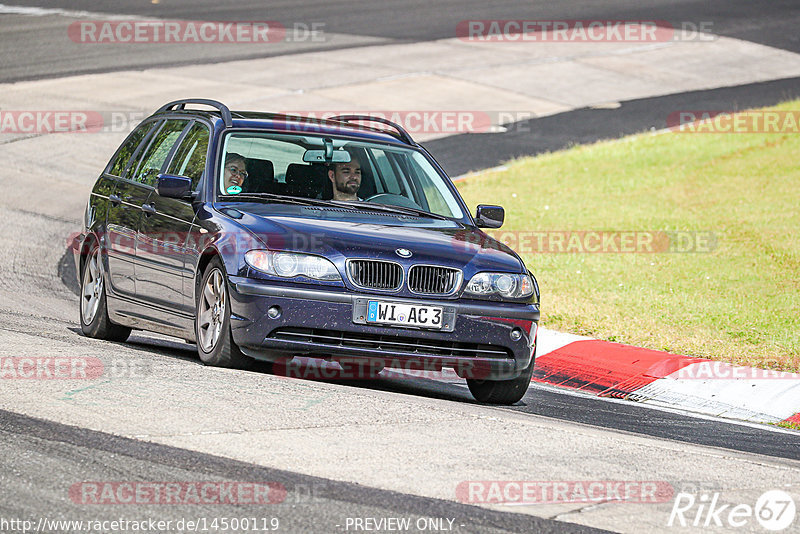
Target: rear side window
x,y
156,154
190,158
125,153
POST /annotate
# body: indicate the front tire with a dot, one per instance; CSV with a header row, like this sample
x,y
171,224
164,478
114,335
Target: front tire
x,y
212,324
502,391
93,308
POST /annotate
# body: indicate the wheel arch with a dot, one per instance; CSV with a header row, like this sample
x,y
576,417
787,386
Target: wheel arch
x,y
228,252
85,247
205,258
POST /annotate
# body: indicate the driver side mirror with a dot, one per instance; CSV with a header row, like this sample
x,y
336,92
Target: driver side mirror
x,y
171,186
487,216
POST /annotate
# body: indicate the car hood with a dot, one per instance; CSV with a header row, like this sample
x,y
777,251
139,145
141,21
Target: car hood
x,y
360,236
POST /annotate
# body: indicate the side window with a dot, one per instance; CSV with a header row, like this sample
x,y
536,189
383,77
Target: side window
x,y
157,152
125,153
405,172
190,158
435,195
387,172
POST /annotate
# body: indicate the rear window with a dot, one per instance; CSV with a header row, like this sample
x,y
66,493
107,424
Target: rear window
x,y
157,152
190,158
125,153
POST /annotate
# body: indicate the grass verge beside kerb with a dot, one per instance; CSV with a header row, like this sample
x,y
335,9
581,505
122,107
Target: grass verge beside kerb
x,y
724,207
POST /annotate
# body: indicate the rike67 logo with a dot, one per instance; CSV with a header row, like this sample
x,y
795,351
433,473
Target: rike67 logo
x,y
774,510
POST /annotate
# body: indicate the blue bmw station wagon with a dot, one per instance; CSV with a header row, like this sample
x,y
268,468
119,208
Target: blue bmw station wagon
x,y
269,237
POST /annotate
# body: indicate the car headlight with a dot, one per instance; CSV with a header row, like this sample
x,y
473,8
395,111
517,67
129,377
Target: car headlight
x,y
291,264
504,285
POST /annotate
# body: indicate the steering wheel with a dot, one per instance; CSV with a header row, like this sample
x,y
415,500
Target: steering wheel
x,y
391,199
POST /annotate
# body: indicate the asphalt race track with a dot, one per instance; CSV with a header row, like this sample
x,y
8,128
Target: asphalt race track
x,y
406,21
319,505
343,450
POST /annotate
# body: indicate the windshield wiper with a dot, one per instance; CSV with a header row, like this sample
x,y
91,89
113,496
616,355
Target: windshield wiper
x,y
389,208
305,201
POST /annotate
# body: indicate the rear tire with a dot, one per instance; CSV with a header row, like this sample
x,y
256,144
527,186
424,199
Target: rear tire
x,y
212,324
502,391
93,308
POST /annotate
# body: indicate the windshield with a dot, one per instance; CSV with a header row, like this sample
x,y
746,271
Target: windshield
x,y
292,166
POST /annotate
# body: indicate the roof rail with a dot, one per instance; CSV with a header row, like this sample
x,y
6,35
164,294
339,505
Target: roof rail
x,y
347,118
181,104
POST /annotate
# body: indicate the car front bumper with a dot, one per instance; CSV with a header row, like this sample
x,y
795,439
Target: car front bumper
x,y
320,322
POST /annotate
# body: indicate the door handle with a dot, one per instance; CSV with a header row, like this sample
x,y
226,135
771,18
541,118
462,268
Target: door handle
x,y
115,200
149,209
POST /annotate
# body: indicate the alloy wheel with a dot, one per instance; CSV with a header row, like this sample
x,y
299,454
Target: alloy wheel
x,y
212,310
92,287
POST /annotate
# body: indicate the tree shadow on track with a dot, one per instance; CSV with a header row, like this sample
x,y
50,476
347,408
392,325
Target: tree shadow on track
x,y
309,370
408,382
67,272
161,346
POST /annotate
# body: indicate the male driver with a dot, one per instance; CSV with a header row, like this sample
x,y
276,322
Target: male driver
x,y
346,179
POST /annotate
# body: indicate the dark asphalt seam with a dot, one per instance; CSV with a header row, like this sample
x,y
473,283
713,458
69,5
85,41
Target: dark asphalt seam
x,y
463,153
236,470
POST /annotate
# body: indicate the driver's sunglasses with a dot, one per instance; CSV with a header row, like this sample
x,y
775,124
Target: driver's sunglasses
x,y
234,170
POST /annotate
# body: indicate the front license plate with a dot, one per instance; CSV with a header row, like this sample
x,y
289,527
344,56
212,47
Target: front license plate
x,y
380,312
